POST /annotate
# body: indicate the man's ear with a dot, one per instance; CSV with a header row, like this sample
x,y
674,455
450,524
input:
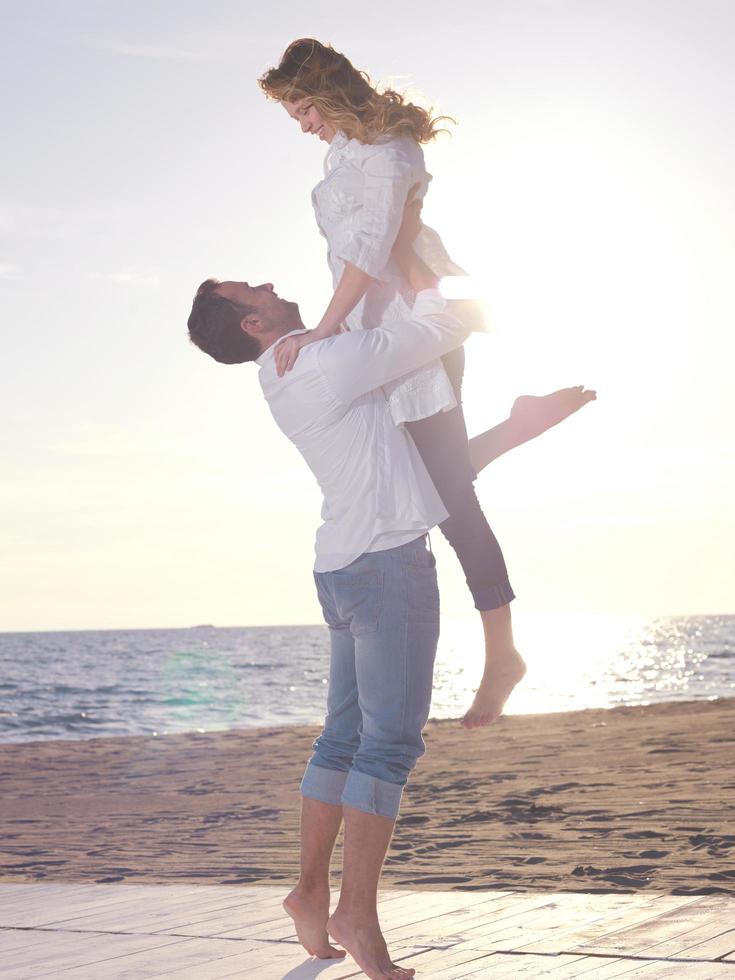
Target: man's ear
x,y
252,325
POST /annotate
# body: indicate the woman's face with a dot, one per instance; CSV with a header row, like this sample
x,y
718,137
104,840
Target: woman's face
x,y
309,119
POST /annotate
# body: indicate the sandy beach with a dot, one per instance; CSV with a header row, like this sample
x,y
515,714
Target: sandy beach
x,y
622,800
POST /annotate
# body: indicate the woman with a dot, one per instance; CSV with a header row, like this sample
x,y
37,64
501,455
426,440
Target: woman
x,y
374,167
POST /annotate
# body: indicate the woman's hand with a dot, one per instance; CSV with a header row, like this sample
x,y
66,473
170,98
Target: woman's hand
x,y
288,350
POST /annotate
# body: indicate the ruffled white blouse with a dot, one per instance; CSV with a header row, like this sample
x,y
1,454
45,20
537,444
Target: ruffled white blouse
x,y
359,208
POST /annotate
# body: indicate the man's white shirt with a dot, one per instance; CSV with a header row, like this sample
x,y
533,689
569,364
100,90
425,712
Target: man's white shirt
x,y
377,492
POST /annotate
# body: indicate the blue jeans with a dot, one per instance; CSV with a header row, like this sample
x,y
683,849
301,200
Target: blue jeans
x,y
383,616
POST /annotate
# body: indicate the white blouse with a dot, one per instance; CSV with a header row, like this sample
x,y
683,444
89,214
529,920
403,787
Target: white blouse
x,y
359,208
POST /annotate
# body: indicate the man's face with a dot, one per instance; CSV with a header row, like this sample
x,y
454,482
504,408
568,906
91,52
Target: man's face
x,y
275,313
310,120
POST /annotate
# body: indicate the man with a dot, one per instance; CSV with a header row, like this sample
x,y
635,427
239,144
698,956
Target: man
x,y
375,578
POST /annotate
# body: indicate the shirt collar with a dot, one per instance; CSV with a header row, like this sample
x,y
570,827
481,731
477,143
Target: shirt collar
x,y
268,352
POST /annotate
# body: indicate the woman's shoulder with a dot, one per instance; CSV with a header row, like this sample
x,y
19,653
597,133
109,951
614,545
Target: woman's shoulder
x,y
389,151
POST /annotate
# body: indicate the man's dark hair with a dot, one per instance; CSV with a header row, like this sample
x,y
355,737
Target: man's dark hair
x,y
214,326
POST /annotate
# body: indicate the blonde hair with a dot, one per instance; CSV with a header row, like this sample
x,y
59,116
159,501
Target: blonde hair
x,y
346,97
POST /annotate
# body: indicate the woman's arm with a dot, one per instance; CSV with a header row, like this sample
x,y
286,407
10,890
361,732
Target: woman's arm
x,y
350,290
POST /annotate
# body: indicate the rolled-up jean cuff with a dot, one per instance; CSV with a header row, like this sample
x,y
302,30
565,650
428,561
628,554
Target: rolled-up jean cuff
x,y
371,794
325,785
493,596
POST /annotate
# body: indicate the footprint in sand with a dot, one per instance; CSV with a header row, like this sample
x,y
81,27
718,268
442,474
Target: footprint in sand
x,y
711,890
632,876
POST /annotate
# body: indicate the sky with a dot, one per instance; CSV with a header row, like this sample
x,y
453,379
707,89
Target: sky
x,y
587,185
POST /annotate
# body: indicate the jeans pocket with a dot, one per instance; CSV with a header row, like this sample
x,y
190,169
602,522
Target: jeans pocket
x,y
326,601
419,556
359,600
422,589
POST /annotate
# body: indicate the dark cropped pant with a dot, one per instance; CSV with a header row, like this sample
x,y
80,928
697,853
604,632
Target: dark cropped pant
x,y
442,441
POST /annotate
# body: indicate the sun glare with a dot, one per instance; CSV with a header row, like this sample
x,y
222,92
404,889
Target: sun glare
x,y
585,262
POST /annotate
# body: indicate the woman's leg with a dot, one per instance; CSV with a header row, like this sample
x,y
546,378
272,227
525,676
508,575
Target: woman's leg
x,y
442,443
529,417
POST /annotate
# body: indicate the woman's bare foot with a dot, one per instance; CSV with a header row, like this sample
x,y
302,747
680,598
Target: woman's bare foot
x,y
363,940
310,911
537,413
502,673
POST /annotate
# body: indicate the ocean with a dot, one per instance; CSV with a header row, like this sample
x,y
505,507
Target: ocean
x,y
87,684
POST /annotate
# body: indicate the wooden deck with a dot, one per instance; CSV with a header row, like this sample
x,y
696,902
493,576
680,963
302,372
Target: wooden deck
x,y
208,932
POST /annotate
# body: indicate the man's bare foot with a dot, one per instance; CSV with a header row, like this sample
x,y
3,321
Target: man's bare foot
x,y
363,940
310,911
537,413
501,675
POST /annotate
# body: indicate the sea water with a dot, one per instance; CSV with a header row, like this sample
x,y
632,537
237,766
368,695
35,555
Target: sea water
x,y
75,685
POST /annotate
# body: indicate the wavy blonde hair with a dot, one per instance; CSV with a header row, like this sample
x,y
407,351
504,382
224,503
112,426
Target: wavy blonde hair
x,y
346,97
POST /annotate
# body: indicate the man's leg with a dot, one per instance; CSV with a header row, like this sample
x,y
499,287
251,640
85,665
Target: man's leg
x,y
308,903
392,602
355,923
322,786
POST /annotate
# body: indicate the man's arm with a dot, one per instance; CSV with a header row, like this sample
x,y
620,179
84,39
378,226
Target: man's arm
x,y
363,360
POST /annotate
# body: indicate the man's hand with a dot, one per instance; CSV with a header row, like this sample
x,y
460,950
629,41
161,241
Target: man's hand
x,y
288,350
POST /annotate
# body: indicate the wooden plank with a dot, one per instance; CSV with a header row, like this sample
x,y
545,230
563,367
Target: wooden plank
x,y
561,966
205,920
52,908
270,961
453,904
444,926
147,915
551,928
36,908
233,923
174,955
687,971
52,952
671,925
115,960
279,927
448,964
15,939
509,966
598,968
241,963
709,941
476,928
568,965
625,911
11,892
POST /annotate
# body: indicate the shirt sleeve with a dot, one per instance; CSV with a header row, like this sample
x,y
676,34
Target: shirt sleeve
x,y
389,171
363,360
